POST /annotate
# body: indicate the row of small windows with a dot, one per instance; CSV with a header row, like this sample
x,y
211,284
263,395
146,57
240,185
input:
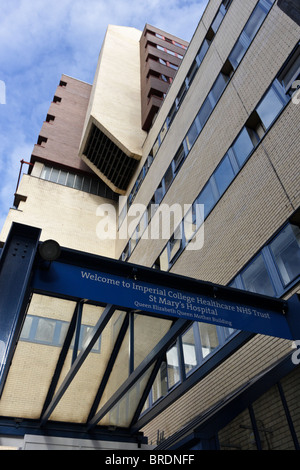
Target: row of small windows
x,y
192,72
78,181
246,142
259,14
168,51
52,332
276,267
163,38
274,270
191,349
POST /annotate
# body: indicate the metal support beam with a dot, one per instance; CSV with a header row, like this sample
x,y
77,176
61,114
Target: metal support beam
x,y
16,264
146,391
77,334
62,357
109,366
90,342
131,342
160,348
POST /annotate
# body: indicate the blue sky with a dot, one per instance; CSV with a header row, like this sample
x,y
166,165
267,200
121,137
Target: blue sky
x,y
41,40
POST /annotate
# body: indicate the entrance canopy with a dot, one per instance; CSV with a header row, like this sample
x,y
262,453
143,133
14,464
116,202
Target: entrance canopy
x,y
82,337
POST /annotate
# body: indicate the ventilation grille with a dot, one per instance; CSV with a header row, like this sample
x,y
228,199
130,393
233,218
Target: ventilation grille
x,y
112,162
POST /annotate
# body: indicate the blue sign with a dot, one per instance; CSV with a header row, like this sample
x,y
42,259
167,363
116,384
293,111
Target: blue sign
x,y
102,287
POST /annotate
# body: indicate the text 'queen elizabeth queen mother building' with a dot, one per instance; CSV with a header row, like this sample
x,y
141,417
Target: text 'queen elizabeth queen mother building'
x,y
210,128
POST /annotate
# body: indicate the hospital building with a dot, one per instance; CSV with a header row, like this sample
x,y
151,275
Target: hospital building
x,y
203,135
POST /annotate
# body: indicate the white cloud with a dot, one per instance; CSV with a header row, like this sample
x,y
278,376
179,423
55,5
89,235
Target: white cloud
x,y
39,41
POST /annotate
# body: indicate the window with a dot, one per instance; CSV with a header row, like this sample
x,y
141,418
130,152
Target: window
x,y
94,186
155,147
237,53
62,177
207,198
181,94
291,70
224,174
179,158
141,226
133,241
84,332
46,172
192,135
202,51
255,127
189,350
54,175
159,388
123,214
175,242
250,30
56,99
70,180
172,113
173,366
25,334
243,146
86,184
172,66
217,21
205,111
151,208
164,260
45,330
286,252
42,140
163,131
256,278
148,163
227,70
276,265
208,337
218,87
255,21
191,222
50,118
52,332
139,180
125,254
269,108
192,72
226,4
168,177
78,182
159,193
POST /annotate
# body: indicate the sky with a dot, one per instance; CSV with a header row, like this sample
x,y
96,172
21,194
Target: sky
x,y
41,40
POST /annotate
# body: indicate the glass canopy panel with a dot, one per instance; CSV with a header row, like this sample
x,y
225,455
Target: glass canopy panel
x,y
78,399
122,413
37,353
119,373
148,331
